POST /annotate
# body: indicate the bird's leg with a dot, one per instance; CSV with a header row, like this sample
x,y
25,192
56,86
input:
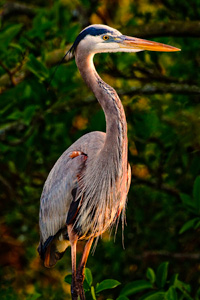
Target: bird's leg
x,y
80,271
73,238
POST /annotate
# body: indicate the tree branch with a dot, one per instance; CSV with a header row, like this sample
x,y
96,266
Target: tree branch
x,y
148,254
172,28
20,127
147,74
12,8
172,88
8,187
163,187
18,75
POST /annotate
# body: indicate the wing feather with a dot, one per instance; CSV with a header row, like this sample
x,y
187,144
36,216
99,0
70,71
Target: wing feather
x,y
57,194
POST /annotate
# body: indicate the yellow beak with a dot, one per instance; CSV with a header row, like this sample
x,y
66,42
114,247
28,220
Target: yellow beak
x,y
140,44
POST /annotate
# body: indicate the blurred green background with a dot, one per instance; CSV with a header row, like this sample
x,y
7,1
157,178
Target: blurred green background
x,y
161,96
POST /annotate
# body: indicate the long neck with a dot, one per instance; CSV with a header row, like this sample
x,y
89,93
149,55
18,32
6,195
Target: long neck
x,y
116,126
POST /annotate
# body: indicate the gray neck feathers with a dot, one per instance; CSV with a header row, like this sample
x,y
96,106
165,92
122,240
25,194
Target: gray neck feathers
x,y
116,127
104,185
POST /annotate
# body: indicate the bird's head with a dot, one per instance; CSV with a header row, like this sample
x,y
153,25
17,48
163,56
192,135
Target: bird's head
x,y
101,38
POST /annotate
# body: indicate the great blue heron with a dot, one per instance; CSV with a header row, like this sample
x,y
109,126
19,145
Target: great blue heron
x,y
86,190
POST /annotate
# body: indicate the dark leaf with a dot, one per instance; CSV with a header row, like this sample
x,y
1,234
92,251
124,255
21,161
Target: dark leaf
x,y
188,225
88,276
106,285
161,274
154,296
135,287
122,298
8,34
37,68
196,194
150,274
68,278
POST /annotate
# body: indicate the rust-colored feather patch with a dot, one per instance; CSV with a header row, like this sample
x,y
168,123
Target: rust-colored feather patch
x,y
75,154
47,257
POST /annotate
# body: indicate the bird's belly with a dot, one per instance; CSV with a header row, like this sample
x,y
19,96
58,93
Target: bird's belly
x,y
97,222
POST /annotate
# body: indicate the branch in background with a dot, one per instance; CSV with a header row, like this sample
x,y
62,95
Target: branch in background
x,y
20,127
8,187
150,89
12,9
147,89
84,12
148,254
163,187
54,57
147,74
173,28
15,76
19,74
15,126
10,73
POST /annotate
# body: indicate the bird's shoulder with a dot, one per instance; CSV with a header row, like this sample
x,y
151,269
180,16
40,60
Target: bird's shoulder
x,y
89,142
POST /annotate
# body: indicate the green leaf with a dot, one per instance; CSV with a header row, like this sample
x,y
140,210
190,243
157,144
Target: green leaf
x,y
153,296
182,286
150,274
93,293
107,284
28,113
187,200
37,68
161,274
16,46
68,278
196,193
135,287
8,34
171,294
88,276
197,225
122,298
15,115
34,296
189,224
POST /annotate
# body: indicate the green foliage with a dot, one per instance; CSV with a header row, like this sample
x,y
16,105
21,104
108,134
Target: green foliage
x,y
37,68
8,34
91,291
193,205
88,277
34,297
161,275
150,274
196,194
106,284
135,287
160,93
163,288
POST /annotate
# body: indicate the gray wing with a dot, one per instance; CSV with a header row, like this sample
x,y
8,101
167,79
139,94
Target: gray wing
x,y
57,194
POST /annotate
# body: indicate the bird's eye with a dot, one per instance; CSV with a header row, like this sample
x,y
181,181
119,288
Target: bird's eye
x,y
105,37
